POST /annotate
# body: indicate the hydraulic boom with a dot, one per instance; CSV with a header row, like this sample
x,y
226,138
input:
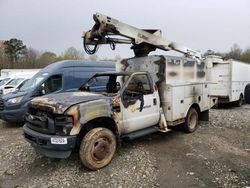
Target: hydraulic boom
x,y
107,29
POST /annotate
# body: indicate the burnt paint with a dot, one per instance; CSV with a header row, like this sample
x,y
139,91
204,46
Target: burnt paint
x,y
161,71
75,113
189,64
201,74
173,74
173,62
201,65
58,103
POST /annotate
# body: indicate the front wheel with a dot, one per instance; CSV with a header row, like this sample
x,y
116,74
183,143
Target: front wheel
x,y
97,148
191,122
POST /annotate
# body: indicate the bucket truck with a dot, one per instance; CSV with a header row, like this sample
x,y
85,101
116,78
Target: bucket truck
x,y
145,95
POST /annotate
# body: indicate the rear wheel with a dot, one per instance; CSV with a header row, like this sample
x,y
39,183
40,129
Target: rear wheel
x,y
247,94
97,148
191,122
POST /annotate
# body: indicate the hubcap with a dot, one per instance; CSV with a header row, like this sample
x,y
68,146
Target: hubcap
x,y
101,149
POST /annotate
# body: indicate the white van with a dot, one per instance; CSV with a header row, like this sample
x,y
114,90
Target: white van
x,y
14,82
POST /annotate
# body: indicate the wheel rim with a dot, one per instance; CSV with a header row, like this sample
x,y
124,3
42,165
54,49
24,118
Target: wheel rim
x,y
101,149
192,121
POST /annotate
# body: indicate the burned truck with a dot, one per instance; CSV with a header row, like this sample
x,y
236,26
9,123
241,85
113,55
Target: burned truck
x,y
145,95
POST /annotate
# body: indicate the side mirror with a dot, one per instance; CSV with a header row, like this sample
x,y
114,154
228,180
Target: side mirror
x,y
85,88
40,91
118,86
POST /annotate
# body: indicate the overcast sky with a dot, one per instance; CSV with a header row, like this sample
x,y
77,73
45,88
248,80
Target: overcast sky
x,y
54,25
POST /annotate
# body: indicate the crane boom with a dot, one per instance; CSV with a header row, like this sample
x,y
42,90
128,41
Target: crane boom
x,y
143,40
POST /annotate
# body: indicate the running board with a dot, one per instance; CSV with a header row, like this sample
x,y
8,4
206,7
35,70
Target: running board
x,y
140,133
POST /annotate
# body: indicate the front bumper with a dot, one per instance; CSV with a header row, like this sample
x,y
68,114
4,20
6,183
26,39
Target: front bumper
x,y
14,116
42,143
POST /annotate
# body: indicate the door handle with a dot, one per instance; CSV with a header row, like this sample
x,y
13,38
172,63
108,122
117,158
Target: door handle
x,y
154,101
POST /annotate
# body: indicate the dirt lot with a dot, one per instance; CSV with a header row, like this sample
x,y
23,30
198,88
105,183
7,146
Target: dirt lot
x,y
216,155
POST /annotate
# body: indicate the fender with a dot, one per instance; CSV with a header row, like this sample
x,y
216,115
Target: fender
x,y
85,112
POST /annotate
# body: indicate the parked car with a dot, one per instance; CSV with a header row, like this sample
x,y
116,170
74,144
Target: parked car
x,y
55,78
1,78
7,72
17,82
5,81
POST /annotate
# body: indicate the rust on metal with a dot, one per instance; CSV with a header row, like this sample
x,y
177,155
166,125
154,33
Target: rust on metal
x,y
116,113
74,112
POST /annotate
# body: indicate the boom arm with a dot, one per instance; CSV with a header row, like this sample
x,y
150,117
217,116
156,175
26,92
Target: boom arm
x,y
143,41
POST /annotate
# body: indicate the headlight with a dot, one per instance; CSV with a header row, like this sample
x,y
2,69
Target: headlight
x,y
63,124
16,100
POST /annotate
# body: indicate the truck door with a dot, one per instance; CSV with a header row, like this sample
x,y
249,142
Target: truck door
x,y
140,103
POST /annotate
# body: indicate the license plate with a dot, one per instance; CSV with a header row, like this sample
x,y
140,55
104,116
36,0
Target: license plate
x,y
56,140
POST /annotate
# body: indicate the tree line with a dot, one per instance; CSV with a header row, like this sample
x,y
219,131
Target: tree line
x,y
14,54
234,53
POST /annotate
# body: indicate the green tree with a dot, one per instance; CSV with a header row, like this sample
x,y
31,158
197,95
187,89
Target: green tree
x,y
47,58
246,55
31,58
234,53
73,53
93,57
14,49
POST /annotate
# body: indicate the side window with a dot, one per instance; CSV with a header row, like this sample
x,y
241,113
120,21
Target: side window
x,y
80,77
140,83
101,81
22,84
52,84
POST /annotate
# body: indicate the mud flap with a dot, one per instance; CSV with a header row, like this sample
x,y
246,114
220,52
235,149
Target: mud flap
x,y
163,123
204,116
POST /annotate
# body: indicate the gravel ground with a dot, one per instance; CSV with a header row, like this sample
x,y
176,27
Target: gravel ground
x,y
216,155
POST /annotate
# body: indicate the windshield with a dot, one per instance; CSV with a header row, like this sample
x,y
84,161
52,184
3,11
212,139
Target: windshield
x,y
33,82
105,83
15,82
4,81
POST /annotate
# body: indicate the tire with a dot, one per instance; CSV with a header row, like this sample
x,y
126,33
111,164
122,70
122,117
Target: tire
x,y
247,94
240,101
191,122
97,148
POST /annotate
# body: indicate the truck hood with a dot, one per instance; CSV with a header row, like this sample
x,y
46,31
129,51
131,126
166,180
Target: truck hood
x,y
13,95
58,103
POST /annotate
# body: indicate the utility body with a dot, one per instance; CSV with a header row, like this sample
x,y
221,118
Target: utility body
x,y
232,79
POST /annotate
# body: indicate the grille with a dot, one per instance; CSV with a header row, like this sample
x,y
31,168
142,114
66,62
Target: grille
x,y
40,122
1,105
